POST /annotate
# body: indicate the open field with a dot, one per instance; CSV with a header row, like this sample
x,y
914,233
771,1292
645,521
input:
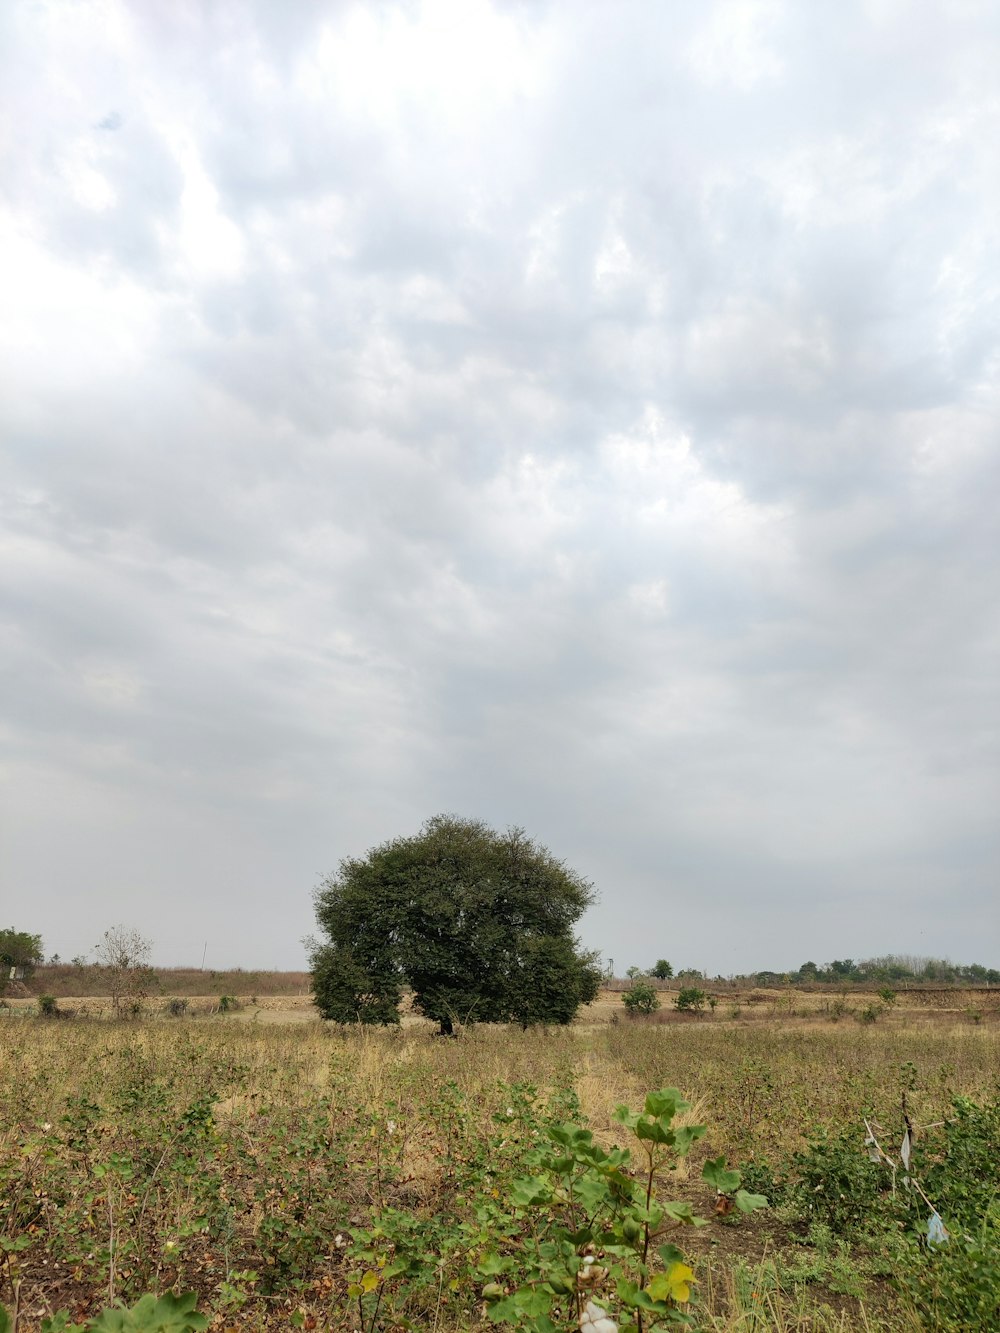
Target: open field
x,y
64,980
227,1152
82,991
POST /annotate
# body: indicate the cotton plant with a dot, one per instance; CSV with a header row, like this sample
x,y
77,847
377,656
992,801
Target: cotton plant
x,y
593,1255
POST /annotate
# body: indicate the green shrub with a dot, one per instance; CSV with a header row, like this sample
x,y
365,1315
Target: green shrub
x,y
48,1006
691,1000
837,1183
956,1286
641,998
956,1164
953,1286
759,1178
177,1007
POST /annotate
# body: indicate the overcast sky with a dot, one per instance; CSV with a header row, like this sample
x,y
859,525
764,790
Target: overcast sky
x,y
575,415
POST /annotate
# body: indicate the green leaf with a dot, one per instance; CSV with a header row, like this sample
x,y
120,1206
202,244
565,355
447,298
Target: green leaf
x,y
580,1238
747,1203
562,1284
715,1172
667,1102
625,1116
150,1314
686,1136
491,1265
532,1301
654,1131
633,1296
535,1189
59,1323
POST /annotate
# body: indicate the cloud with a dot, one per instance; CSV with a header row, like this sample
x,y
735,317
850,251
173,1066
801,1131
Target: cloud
x,y
580,423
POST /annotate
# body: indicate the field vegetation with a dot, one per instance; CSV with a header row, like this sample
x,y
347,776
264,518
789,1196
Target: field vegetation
x,y
301,1174
85,980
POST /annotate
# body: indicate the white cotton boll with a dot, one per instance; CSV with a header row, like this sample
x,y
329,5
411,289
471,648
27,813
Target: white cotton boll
x,y
596,1320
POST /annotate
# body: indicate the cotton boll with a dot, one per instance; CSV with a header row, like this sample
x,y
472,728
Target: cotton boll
x,y
596,1320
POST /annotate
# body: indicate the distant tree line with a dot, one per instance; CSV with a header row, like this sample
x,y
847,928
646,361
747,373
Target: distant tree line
x,y
898,968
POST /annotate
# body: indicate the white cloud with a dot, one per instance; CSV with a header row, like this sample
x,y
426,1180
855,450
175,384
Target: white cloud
x,y
733,47
576,417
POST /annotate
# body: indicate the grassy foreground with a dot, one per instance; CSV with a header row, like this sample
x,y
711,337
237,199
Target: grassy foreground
x,y
251,1163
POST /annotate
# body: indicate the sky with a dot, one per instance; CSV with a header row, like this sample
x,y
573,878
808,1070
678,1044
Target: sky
x,y
567,415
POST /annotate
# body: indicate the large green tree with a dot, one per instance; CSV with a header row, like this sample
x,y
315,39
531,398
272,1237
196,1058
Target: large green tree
x,y
479,924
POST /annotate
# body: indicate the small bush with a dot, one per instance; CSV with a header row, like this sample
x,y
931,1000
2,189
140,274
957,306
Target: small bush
x,y
836,1183
177,1007
691,1000
48,1006
956,1287
641,998
229,1004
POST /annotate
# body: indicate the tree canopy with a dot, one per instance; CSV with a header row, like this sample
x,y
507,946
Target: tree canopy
x,y
478,923
18,949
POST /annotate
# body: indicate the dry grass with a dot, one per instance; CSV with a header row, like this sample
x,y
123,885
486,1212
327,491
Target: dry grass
x,y
65,980
761,1084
